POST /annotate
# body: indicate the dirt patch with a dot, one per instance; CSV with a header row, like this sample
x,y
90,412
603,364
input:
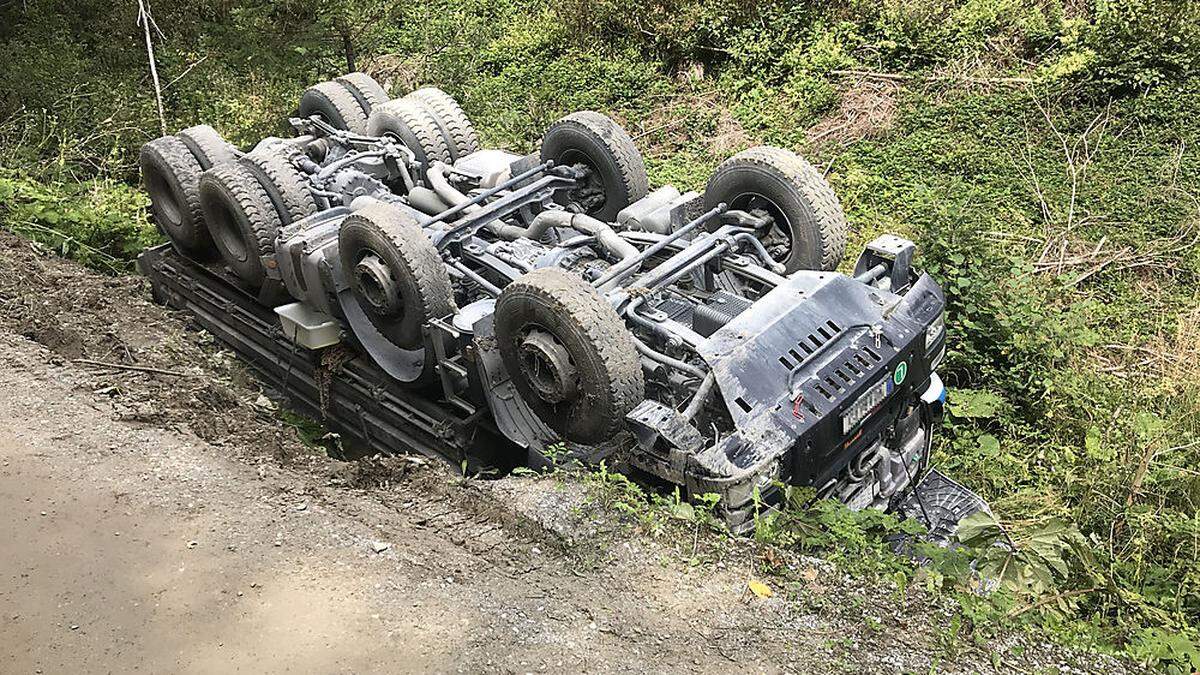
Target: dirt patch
x,y
151,365
730,136
866,109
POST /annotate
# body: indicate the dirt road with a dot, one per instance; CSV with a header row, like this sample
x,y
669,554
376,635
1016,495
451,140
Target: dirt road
x,y
170,522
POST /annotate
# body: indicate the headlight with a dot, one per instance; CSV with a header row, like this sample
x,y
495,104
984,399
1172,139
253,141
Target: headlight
x,y
935,331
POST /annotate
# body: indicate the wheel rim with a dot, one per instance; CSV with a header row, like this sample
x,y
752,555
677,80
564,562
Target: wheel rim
x,y
164,200
776,237
377,287
546,365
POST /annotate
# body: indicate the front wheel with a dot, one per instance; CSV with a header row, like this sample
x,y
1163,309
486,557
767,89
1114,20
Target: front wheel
x,y
395,273
808,226
615,173
569,354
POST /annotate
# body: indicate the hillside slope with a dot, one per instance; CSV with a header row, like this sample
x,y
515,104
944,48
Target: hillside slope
x,y
1042,153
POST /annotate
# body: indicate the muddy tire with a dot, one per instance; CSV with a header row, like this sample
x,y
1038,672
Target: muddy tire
x,y
172,177
364,89
335,104
569,354
395,273
454,125
414,126
208,147
617,174
242,220
810,227
286,186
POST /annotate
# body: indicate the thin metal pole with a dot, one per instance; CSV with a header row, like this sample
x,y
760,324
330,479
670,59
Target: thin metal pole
x,y
145,21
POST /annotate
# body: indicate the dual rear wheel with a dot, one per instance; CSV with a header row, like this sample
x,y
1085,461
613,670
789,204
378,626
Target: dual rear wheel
x,y
247,202
171,170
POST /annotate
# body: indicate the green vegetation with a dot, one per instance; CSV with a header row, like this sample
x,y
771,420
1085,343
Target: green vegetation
x,y
1042,153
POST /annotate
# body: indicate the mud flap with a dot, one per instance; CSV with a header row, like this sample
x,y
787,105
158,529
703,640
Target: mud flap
x,y
940,504
513,417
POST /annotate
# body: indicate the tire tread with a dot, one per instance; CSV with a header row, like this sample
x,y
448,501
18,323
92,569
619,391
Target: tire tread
x,y
602,328
811,185
455,126
173,154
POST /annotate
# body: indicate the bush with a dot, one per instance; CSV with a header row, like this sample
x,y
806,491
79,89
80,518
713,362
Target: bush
x,y
100,222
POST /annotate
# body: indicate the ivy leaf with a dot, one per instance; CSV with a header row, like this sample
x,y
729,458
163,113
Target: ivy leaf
x,y
975,403
1094,447
989,445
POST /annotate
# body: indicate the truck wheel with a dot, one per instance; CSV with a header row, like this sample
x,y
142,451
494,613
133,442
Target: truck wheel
x,y
616,173
456,128
242,220
335,104
413,125
286,186
569,354
395,273
207,145
809,228
172,176
364,89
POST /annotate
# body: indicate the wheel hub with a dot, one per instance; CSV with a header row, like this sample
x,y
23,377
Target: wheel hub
x,y
589,193
776,234
547,366
377,286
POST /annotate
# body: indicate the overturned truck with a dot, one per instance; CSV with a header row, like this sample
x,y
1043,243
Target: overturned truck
x,y
421,293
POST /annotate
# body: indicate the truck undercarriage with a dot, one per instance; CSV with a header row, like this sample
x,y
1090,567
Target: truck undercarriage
x,y
425,295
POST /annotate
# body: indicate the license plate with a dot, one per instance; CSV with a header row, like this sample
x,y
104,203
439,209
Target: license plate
x,y
865,404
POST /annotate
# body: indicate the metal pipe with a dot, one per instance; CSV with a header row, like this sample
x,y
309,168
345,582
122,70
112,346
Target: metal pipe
x,y
346,161
477,199
631,312
500,208
761,250
700,397
437,180
657,277
582,222
668,361
487,286
872,274
541,223
682,333
427,201
623,269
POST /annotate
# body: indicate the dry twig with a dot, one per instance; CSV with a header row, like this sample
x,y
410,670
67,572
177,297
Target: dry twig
x,y
123,366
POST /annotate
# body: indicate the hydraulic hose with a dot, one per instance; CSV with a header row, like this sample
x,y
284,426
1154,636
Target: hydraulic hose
x,y
437,180
700,397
